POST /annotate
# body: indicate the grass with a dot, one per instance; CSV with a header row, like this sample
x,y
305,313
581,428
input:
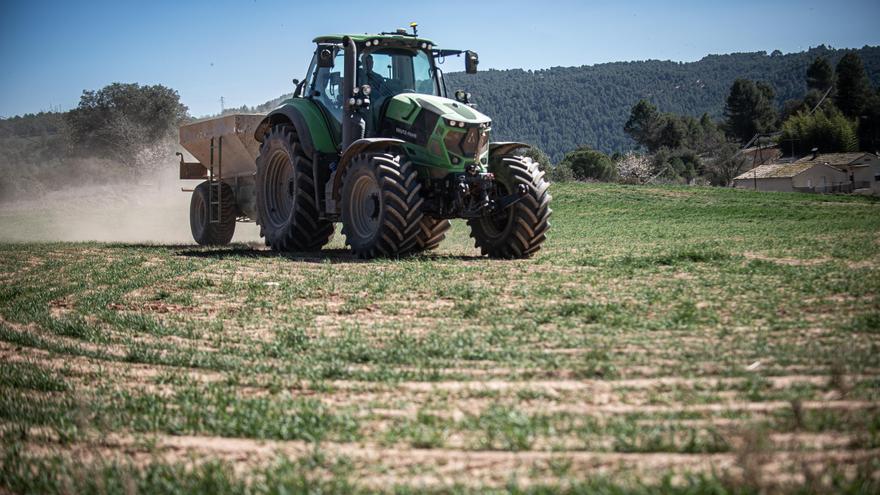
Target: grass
x,y
658,323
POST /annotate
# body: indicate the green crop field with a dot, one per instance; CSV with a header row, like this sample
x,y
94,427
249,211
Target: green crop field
x,y
666,339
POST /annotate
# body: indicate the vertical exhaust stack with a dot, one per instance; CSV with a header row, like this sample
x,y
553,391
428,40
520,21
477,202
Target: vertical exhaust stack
x,y
353,124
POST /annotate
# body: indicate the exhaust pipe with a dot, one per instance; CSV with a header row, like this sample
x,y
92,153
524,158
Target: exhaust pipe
x,y
353,123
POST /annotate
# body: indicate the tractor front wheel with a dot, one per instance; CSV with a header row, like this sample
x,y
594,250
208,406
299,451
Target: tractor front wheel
x,y
519,230
381,205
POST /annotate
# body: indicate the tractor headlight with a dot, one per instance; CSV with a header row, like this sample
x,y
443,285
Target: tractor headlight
x,y
366,89
452,123
355,90
351,102
461,124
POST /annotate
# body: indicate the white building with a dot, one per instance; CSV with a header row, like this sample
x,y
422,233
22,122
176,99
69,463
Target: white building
x,y
829,172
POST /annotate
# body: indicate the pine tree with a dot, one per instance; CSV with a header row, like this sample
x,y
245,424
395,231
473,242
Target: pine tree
x,y
749,109
820,75
644,124
853,88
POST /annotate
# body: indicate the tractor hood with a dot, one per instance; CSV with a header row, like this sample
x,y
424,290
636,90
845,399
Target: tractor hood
x,y
441,133
407,106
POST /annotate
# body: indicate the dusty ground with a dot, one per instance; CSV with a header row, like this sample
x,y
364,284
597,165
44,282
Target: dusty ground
x,y
662,333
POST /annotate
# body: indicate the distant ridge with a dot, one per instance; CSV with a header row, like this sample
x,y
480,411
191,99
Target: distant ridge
x,y
560,108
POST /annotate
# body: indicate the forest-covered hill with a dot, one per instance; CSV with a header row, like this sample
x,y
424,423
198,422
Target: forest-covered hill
x,y
560,108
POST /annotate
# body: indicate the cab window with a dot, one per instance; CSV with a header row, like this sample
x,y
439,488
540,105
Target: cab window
x,y
391,71
327,85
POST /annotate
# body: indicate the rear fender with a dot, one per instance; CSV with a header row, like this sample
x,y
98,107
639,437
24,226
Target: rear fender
x,y
307,119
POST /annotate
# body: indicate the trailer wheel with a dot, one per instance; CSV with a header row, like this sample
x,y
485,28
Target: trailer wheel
x,y
287,210
381,205
518,231
204,232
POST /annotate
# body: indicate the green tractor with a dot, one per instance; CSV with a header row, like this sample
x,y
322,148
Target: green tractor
x,y
371,139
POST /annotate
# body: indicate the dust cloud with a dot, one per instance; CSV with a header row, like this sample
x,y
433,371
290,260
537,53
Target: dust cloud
x,y
151,209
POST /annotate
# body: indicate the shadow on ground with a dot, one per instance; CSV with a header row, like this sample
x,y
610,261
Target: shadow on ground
x,y
322,256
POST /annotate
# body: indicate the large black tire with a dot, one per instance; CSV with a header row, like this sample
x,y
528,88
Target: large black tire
x,y
381,205
287,210
204,232
518,231
432,231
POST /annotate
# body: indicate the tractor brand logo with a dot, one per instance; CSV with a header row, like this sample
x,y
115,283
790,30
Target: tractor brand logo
x,y
405,132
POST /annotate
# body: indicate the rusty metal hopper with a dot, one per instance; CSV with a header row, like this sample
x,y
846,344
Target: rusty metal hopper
x,y
240,149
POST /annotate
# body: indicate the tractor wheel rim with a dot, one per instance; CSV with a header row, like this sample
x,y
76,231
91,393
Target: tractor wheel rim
x,y
279,188
366,205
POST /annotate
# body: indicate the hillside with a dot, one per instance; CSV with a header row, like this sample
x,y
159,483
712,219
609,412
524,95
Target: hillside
x,y
562,107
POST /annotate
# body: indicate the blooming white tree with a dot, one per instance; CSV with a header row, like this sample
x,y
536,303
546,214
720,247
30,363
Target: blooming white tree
x,y
634,168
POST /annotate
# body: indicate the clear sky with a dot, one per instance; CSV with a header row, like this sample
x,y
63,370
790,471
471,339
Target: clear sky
x,y
248,50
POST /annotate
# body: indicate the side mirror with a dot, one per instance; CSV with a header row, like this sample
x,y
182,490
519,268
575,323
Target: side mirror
x,y
471,60
325,58
299,86
463,96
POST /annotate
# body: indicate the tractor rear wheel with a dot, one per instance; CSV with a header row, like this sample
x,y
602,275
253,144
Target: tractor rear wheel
x,y
517,231
381,205
432,231
205,232
287,210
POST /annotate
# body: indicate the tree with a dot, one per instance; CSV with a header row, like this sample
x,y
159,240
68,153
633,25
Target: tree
x,y
539,157
634,168
749,109
673,132
820,75
710,135
725,164
587,163
121,121
869,126
677,164
644,124
854,92
828,130
561,173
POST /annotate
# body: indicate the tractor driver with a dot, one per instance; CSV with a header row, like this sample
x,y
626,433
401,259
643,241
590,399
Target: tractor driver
x,y
374,79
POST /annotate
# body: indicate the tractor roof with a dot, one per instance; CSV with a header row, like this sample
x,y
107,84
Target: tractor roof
x,y
359,38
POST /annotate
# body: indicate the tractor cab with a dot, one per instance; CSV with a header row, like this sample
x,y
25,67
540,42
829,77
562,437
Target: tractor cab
x,y
382,72
395,76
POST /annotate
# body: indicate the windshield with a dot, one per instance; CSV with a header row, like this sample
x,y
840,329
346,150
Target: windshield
x,y
391,71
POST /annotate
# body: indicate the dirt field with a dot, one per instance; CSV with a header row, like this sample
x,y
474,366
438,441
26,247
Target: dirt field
x,y
667,339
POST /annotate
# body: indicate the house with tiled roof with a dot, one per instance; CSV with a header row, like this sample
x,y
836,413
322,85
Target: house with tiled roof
x,y
827,172
863,169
